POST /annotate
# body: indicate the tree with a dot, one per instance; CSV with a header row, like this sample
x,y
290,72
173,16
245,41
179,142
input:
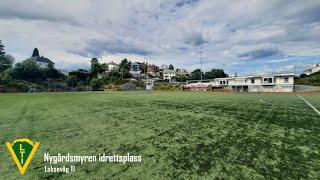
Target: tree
x,y
6,62
104,67
215,73
27,70
72,81
1,49
196,74
82,76
124,68
95,67
114,74
303,75
95,84
171,67
51,72
144,67
35,53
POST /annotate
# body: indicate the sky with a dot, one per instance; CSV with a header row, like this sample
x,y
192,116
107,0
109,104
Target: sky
x,y
243,36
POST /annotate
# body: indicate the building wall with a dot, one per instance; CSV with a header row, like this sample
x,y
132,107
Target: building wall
x,y
282,83
168,76
111,67
276,88
316,69
42,64
281,80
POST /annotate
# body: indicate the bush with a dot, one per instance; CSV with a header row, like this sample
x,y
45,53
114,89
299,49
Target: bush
x,y
167,86
96,84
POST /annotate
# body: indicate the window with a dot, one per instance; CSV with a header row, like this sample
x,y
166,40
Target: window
x,y
267,80
252,81
286,80
270,80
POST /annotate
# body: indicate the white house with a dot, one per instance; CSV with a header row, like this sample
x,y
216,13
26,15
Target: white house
x,y
42,61
315,68
135,70
112,65
275,82
168,74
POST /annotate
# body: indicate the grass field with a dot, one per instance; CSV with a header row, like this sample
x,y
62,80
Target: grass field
x,y
179,135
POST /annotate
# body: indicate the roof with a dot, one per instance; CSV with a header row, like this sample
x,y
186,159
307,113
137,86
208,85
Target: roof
x,y
258,76
153,66
42,59
169,71
112,63
314,66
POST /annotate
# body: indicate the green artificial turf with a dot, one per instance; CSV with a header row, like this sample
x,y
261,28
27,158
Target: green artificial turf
x,y
180,135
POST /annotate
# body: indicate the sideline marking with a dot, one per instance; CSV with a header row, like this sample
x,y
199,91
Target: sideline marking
x,y
316,110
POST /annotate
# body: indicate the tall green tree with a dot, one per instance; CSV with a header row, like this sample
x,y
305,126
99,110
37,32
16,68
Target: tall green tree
x,y
144,67
82,76
6,61
196,74
95,67
50,72
124,68
215,73
27,70
1,49
35,53
96,84
72,81
171,67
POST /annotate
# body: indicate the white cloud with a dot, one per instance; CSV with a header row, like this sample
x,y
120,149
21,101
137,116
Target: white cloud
x,y
168,31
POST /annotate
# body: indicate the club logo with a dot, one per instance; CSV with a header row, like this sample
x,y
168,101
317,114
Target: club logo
x,y
22,151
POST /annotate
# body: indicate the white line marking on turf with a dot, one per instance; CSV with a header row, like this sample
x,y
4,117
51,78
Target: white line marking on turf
x,y
316,110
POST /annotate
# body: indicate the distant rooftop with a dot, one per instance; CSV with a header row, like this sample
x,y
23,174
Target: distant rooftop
x,y
35,56
112,63
42,59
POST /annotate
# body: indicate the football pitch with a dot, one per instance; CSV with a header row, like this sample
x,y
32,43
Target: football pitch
x,y
180,135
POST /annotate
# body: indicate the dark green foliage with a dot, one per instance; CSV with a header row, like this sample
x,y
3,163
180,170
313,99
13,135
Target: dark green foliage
x,y
95,67
167,86
313,79
82,76
72,80
6,62
303,75
124,68
29,70
104,67
26,70
171,67
96,84
50,72
196,74
115,74
143,67
180,78
215,73
35,53
1,49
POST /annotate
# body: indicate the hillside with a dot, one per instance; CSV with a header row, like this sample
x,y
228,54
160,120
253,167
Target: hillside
x,y
312,79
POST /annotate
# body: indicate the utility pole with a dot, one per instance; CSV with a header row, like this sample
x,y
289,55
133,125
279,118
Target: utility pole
x,y
200,53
